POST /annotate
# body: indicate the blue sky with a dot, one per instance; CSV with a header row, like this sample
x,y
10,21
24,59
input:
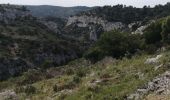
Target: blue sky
x,y
68,3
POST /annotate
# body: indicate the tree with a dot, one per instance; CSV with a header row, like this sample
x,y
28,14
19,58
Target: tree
x,y
115,44
152,33
166,31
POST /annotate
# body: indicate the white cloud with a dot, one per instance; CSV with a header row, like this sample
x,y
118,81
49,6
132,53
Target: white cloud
x,y
137,3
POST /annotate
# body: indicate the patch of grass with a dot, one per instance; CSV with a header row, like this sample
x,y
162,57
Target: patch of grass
x,y
105,80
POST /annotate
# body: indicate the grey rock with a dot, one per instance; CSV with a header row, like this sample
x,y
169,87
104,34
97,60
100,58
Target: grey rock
x,y
8,95
84,21
153,60
159,85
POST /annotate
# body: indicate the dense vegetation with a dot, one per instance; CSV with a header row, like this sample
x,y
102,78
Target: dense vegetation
x,y
55,11
115,44
129,14
118,44
27,43
158,31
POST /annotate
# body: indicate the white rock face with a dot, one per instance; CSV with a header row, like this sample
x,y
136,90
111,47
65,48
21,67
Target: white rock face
x,y
153,60
140,30
84,21
93,35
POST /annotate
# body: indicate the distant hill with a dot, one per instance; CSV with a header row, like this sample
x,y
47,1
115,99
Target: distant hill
x,y
128,14
56,11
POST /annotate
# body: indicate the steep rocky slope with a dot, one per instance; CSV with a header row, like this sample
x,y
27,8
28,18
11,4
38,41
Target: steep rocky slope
x,y
26,43
90,24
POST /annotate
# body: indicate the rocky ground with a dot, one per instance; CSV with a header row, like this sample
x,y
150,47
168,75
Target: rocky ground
x,y
159,86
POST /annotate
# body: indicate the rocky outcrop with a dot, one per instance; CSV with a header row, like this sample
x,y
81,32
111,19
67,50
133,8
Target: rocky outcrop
x,y
8,95
84,21
95,25
140,29
153,60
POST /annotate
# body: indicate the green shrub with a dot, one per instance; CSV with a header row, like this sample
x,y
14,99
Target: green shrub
x,y
76,79
69,71
115,44
30,77
28,89
94,88
166,30
19,89
46,64
25,30
81,73
106,75
88,96
157,31
151,48
152,33
69,85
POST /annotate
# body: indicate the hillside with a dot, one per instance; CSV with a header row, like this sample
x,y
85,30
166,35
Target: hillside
x,y
55,11
106,53
27,43
89,25
109,79
128,14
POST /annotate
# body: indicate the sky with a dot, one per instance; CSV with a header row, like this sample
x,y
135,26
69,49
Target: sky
x,y
70,3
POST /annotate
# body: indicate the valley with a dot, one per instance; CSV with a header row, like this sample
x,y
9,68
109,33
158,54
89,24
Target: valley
x,y
86,53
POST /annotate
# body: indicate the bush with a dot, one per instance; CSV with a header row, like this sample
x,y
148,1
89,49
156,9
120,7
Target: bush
x,y
115,44
81,73
25,30
157,31
30,77
151,48
46,64
69,85
28,89
94,88
152,34
166,31
76,79
69,71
